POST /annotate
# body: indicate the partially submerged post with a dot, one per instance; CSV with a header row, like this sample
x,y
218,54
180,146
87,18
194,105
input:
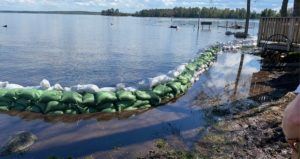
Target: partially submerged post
x,y
247,17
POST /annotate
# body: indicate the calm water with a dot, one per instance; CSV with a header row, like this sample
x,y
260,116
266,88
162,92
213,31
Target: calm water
x,y
81,49
179,123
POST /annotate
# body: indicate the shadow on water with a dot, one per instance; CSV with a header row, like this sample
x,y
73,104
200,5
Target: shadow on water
x,y
130,134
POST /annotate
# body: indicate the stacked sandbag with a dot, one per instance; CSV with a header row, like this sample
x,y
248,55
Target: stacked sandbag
x,y
83,99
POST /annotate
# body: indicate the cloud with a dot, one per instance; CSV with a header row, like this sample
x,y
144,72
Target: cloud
x,y
131,5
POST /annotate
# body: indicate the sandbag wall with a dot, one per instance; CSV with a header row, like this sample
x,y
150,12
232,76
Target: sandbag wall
x,y
70,102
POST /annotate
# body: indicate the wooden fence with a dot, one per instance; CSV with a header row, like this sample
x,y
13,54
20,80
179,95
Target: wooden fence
x,y
280,33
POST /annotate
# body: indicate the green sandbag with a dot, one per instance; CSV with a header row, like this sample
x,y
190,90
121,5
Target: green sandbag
x,y
11,93
145,107
48,96
55,105
2,93
91,110
19,108
162,90
148,95
58,112
82,109
109,110
8,104
126,96
105,106
184,88
191,67
22,102
124,104
30,94
4,108
130,108
176,87
88,99
143,95
42,107
70,112
34,109
71,97
140,103
105,97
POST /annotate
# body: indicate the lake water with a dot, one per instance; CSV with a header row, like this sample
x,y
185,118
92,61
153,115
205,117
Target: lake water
x,y
82,49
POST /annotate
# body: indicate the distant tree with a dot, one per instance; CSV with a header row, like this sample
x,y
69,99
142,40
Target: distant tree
x,y
269,13
284,8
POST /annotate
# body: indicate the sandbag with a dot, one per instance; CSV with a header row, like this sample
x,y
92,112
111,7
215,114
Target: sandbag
x,y
55,105
105,97
58,112
22,102
48,96
145,107
91,110
3,84
34,109
105,106
70,112
41,106
45,84
30,94
159,80
124,104
107,89
130,108
11,93
82,109
71,97
19,107
13,86
176,87
89,88
109,110
143,95
88,99
162,90
4,108
125,96
141,103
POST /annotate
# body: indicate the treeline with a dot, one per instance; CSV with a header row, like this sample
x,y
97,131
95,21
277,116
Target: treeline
x,y
114,12
204,12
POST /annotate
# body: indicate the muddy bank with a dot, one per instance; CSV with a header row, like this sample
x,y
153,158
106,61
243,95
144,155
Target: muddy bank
x,y
244,126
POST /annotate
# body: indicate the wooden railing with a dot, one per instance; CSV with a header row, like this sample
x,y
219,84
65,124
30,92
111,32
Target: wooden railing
x,y
278,30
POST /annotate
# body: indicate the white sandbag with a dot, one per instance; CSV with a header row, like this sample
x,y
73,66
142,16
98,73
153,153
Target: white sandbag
x,y
159,80
120,86
58,87
67,89
108,89
13,86
3,84
173,73
45,84
132,89
89,88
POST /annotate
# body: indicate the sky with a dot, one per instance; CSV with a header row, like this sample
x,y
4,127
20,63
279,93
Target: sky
x,y
132,5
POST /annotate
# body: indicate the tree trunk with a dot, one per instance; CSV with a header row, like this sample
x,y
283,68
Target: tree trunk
x,y
248,16
296,8
283,11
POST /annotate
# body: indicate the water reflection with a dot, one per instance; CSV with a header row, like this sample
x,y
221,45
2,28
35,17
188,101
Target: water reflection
x,y
127,137
81,49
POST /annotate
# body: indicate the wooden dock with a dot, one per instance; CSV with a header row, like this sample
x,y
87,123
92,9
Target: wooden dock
x,y
279,33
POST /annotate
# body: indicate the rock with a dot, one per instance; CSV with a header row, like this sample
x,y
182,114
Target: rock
x,y
18,143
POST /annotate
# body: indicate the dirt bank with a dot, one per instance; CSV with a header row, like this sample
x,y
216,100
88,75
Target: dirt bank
x,y
245,127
